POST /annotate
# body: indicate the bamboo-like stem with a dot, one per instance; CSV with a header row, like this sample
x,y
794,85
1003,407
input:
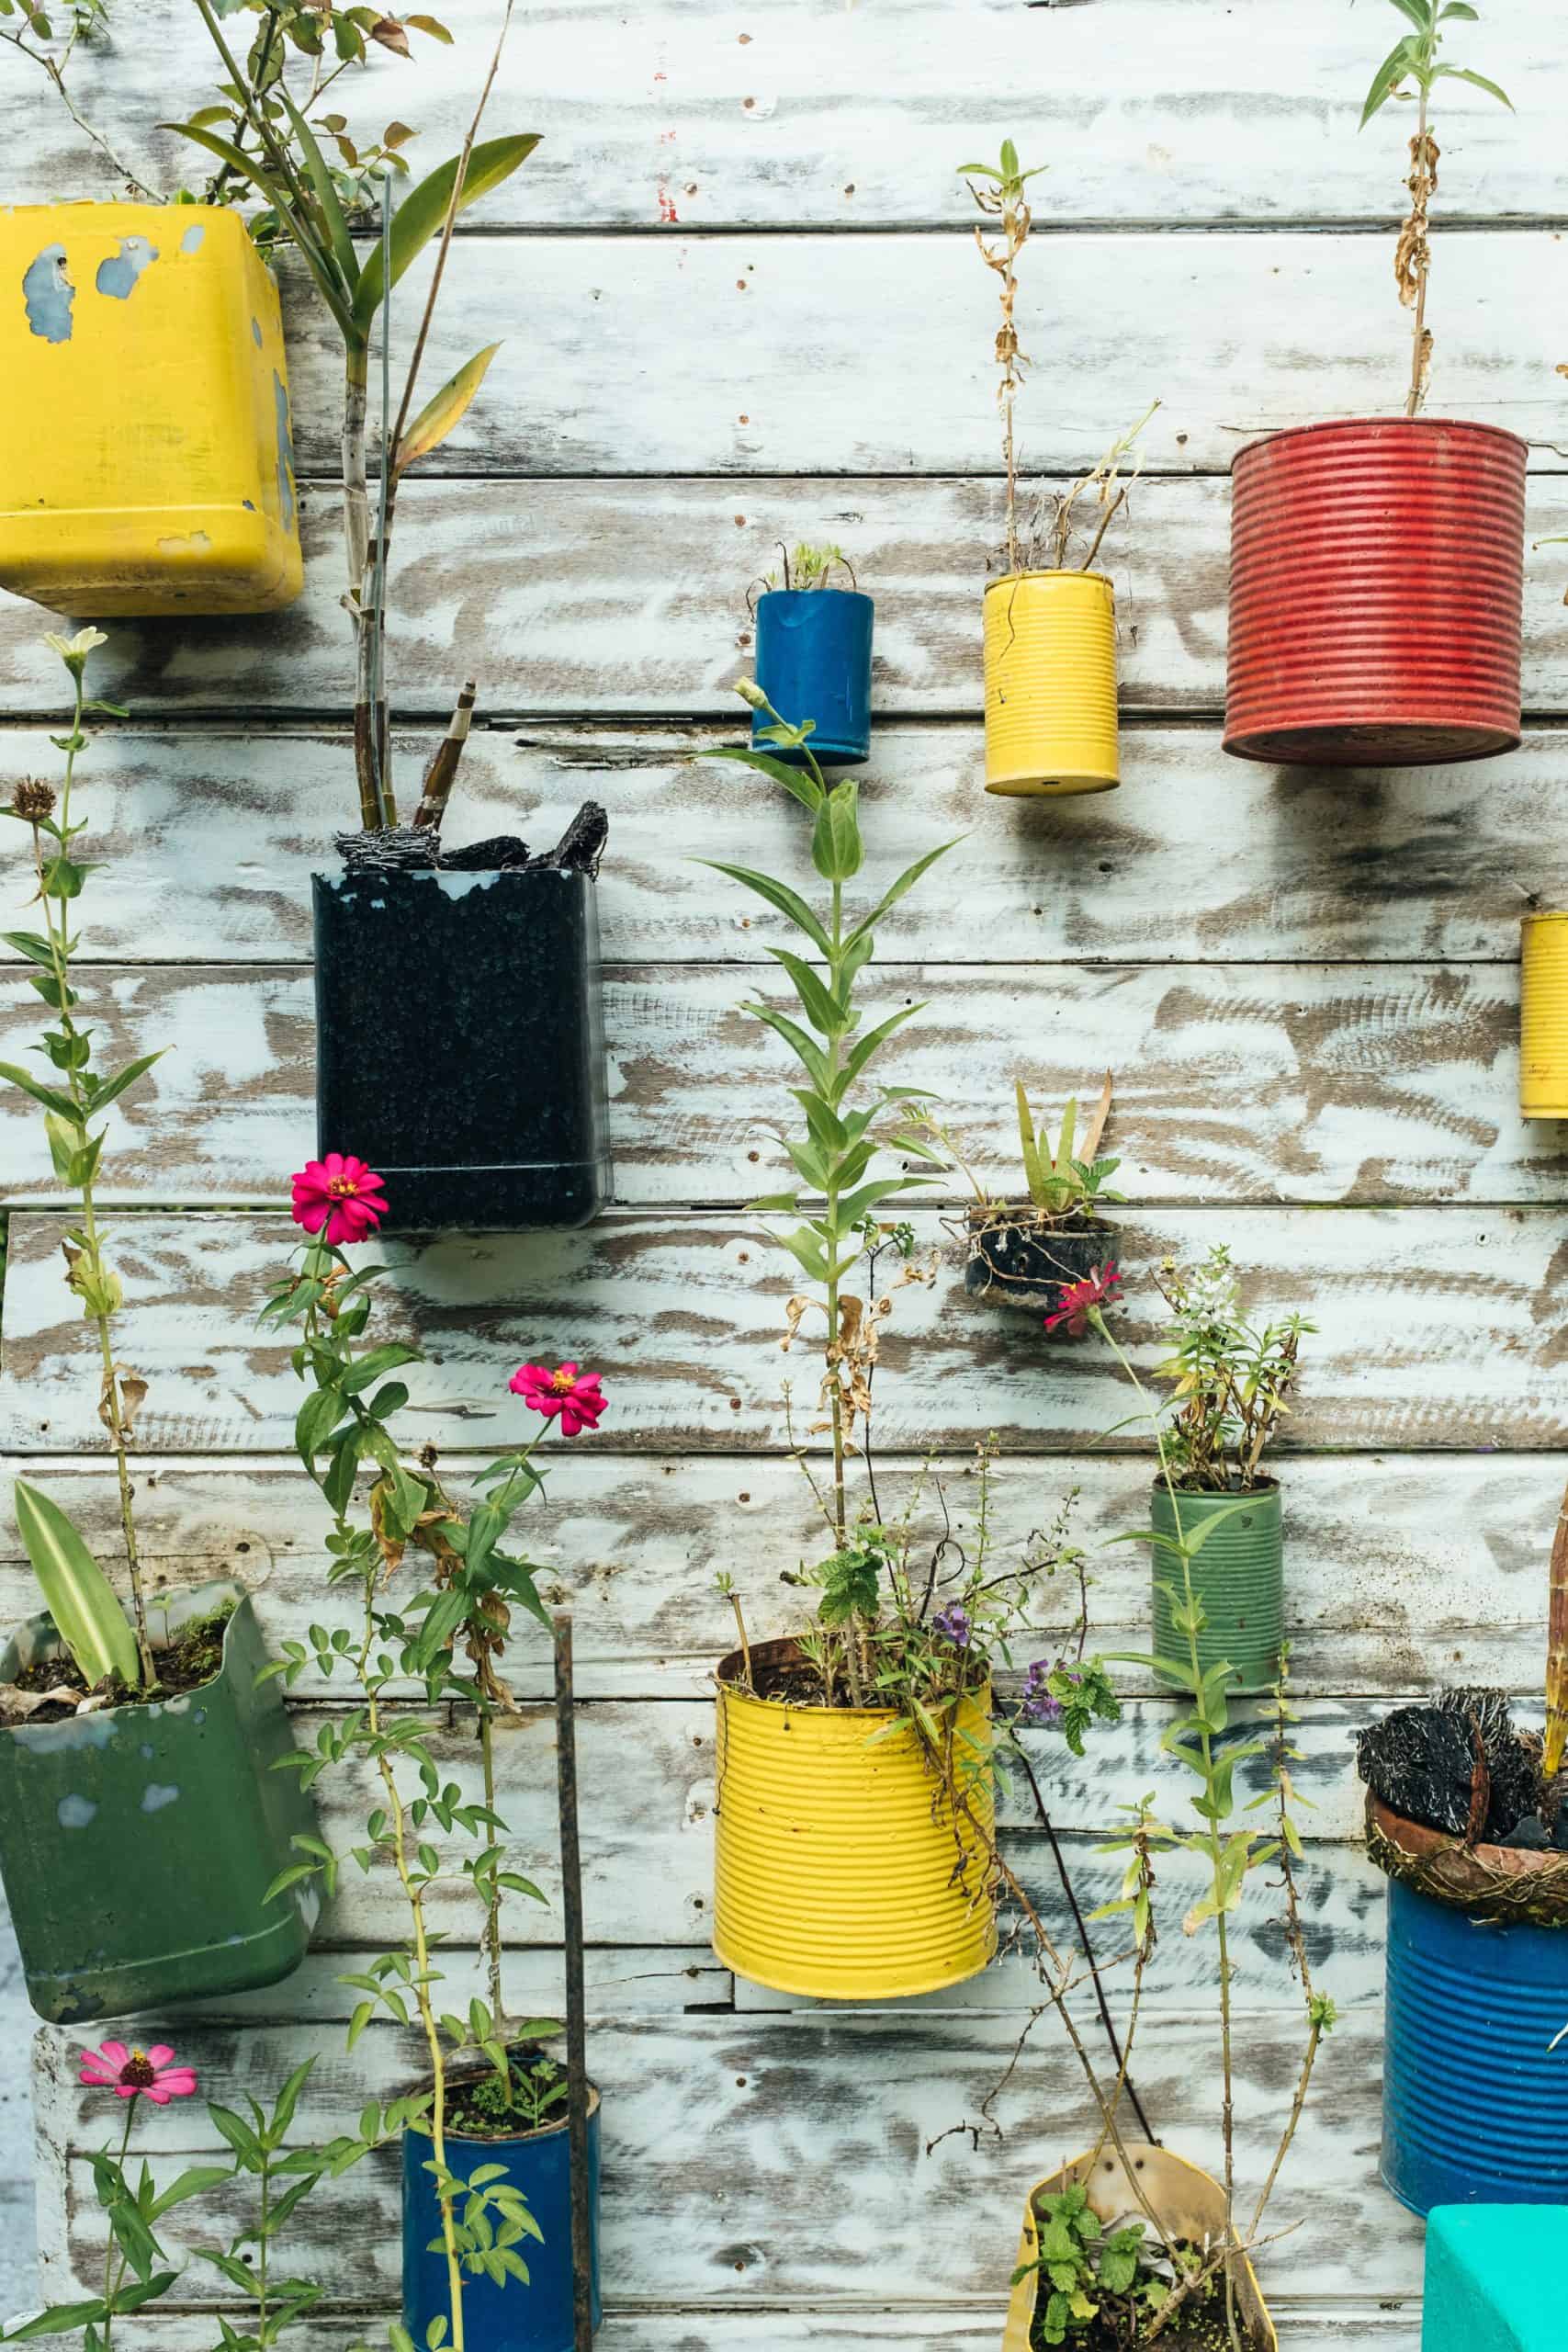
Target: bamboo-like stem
x,y
1557,1655
442,773
492,1936
113,1404
580,2193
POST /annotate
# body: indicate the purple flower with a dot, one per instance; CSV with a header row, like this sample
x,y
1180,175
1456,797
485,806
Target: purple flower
x,y
953,1623
1038,1705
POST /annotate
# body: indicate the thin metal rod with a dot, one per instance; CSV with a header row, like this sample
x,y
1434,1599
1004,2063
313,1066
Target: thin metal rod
x,y
576,1996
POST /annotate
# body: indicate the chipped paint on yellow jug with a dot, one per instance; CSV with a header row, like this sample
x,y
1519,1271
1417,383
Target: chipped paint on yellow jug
x,y
1050,684
147,466
1543,1016
839,1868
1190,2204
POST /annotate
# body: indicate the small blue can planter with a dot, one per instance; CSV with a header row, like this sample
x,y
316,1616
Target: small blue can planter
x,y
1474,2096
814,661
514,2318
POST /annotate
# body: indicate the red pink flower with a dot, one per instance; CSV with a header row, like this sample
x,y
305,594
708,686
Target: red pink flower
x,y
340,1194
575,1396
138,2074
1102,1287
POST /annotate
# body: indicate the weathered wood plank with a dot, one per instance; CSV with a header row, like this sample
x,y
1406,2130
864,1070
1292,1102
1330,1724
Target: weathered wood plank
x,y
718,2327
1403,1570
1356,1084
760,2095
1439,1331
629,597
209,841
787,121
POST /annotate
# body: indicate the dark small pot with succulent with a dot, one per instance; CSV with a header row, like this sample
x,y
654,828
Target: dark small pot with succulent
x,y
515,2128
1029,1254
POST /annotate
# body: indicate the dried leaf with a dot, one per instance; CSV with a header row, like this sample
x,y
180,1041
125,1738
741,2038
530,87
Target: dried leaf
x,y
16,1704
132,1396
793,1309
391,35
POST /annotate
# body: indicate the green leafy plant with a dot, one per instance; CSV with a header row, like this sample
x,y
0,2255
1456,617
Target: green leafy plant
x,y
1411,71
805,566
461,1618
1061,1184
287,168
1081,2263
1233,1380
1001,200
71,1097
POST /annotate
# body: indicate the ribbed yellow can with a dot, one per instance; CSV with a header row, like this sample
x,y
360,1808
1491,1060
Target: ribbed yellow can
x,y
147,466
840,1870
1051,684
1543,1016
1190,2202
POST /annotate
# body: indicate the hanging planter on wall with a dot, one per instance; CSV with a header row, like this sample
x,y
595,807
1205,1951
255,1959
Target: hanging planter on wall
x,y
841,1870
1543,1017
1377,564
1238,1575
147,469
137,1841
1191,2209
814,658
459,1033
1030,1253
1376,599
1051,684
538,2162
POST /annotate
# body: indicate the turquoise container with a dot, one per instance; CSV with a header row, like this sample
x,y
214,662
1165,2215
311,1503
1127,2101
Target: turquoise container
x,y
1474,2099
512,2318
1495,2278
814,661
1239,1575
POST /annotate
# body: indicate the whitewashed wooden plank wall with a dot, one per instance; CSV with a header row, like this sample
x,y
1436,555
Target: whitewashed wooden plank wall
x,y
740,303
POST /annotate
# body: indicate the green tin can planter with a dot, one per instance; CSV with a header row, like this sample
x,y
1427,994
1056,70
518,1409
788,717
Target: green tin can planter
x,y
137,1843
1240,1577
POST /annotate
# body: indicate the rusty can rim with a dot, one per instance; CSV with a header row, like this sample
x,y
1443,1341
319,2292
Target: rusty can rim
x,y
1358,424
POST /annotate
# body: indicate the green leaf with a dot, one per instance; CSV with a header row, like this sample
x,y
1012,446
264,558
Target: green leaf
x,y
28,943
77,1592
325,192
60,2319
1386,80
50,1098
192,2182
1415,12
794,1036
237,2131
778,894
113,1087
825,1014
422,211
874,1039
836,850
442,414
1463,73
900,889
315,1421
798,781
373,1362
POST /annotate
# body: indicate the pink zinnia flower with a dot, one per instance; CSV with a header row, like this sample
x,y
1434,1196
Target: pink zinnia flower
x,y
1102,1287
576,1397
138,2074
340,1194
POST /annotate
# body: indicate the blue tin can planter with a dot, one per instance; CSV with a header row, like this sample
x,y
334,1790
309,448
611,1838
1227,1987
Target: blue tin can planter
x,y
1474,2095
814,661
514,2318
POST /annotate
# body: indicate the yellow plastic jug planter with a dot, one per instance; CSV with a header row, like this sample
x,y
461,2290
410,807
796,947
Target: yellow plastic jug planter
x,y
148,467
840,1871
1543,1016
1051,684
1190,2205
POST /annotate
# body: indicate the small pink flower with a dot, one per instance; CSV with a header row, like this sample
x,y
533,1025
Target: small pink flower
x,y
576,1397
1102,1287
340,1194
138,2074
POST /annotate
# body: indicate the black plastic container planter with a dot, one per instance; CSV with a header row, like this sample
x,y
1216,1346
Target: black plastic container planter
x,y
138,1842
1019,1262
459,1043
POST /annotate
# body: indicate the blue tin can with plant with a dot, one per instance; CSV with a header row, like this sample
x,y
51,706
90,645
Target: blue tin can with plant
x,y
529,2139
814,657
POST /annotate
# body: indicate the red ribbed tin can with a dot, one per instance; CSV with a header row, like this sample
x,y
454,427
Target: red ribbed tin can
x,y
1376,593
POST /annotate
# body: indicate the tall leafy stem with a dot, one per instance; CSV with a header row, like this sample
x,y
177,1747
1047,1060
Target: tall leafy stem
x,y
1417,59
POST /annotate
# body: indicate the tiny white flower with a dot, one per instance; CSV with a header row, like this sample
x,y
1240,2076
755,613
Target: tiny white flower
x,y
74,650
749,691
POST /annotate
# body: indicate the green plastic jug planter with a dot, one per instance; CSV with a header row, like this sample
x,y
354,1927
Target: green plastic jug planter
x,y
137,1843
1240,1577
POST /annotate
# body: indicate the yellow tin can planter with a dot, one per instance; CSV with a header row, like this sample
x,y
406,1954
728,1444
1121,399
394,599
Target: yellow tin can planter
x,y
1543,1017
840,1870
148,466
1051,684
1190,2202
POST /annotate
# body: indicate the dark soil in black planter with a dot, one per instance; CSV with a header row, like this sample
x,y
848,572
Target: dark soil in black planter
x,y
1018,1261
459,1041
